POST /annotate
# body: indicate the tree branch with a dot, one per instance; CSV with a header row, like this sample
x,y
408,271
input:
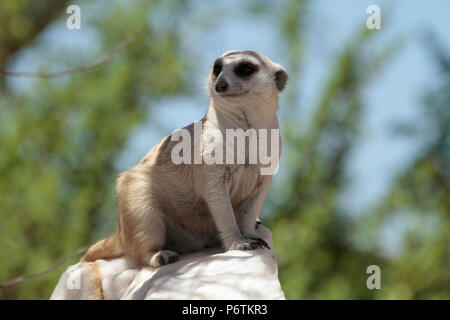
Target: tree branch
x,y
102,59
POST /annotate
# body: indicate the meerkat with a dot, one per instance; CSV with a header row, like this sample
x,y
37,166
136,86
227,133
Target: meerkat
x,y
167,209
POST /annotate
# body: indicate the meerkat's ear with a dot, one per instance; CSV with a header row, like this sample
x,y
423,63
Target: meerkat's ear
x,y
281,78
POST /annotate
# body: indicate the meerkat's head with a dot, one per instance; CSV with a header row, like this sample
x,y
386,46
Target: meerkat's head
x,y
243,76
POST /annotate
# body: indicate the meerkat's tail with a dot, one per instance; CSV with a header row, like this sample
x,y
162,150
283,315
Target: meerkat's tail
x,y
104,249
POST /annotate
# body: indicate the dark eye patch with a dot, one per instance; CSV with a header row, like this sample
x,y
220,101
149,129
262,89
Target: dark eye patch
x,y
217,69
245,69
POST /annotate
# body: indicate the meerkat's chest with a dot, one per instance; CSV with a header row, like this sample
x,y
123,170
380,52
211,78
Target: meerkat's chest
x,y
242,180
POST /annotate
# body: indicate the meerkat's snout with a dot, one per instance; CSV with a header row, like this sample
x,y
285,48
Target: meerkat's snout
x,y
221,85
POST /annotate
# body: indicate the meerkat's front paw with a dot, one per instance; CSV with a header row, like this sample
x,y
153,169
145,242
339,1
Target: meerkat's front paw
x,y
163,257
252,235
249,244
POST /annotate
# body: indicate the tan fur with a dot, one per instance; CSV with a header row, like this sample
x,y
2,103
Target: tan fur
x,y
96,282
166,209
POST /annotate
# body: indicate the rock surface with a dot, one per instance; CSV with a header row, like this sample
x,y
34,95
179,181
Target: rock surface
x,y
207,274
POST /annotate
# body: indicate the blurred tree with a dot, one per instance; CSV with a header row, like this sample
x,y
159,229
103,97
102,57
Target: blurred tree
x,y
420,198
314,239
58,140
22,21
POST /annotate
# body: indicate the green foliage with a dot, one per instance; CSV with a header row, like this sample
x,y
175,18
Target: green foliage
x,y
22,20
420,197
317,245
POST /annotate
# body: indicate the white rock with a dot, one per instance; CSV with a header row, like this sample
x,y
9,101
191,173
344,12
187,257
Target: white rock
x,y
204,275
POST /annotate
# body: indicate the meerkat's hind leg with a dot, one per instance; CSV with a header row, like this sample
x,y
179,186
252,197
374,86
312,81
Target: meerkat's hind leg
x,y
147,236
160,258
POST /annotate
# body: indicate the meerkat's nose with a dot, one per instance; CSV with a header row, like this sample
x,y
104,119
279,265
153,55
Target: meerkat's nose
x,y
221,85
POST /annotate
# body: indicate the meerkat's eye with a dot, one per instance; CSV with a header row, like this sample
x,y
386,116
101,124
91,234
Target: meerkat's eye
x,y
217,69
245,69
